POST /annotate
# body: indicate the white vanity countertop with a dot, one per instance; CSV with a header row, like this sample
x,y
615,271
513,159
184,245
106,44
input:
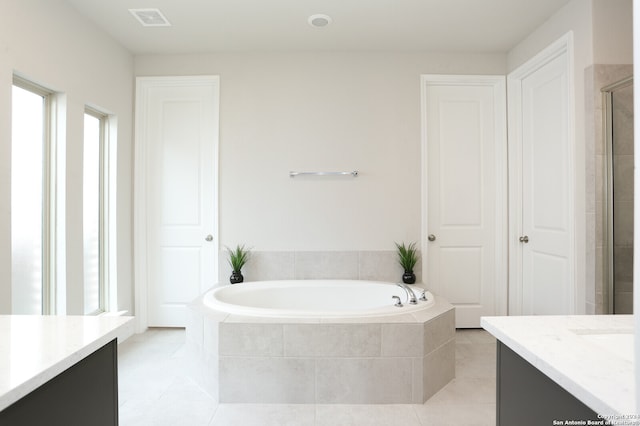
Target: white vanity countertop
x,y
34,349
590,356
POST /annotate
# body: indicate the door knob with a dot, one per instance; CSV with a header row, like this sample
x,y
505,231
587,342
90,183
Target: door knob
x,y
431,237
524,239
209,237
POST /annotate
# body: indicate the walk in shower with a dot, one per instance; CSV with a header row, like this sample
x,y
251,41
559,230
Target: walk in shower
x,y
618,111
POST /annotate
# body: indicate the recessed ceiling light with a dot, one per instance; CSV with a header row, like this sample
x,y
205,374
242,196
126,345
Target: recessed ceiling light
x,y
319,20
150,17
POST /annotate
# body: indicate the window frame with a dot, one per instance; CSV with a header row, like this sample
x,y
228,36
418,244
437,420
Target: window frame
x,y
49,273
103,209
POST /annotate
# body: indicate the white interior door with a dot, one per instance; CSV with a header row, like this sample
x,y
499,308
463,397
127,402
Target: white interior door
x,y
466,192
178,120
544,245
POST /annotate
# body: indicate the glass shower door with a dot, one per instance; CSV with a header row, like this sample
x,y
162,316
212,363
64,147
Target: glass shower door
x,y
619,137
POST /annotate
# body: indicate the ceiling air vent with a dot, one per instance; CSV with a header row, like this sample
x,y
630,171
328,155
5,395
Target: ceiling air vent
x,y
150,17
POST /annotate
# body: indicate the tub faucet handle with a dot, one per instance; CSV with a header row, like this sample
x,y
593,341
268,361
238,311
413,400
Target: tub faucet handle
x,y
398,302
423,295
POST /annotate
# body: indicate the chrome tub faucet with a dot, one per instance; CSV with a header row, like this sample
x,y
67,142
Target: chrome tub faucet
x,y
411,296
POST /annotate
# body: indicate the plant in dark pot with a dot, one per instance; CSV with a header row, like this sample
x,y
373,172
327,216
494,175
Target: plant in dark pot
x,y
237,259
407,257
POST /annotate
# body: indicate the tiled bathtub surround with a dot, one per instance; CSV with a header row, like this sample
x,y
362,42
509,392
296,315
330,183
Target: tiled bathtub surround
x,y
289,265
155,390
404,358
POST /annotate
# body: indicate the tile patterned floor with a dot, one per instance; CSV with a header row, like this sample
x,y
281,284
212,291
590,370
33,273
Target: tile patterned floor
x,y
155,390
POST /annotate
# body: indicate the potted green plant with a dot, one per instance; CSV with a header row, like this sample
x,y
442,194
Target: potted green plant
x,y
238,257
407,257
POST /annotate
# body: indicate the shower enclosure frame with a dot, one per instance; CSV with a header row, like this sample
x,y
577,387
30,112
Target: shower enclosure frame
x,y
607,128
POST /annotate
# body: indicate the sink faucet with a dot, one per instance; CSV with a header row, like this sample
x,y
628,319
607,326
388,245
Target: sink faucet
x,y
411,296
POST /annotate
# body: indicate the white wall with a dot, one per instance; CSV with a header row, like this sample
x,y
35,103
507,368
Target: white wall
x,y
612,32
279,112
319,112
51,44
576,16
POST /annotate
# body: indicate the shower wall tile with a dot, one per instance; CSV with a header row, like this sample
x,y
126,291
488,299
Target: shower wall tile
x,y
623,121
590,182
600,225
590,257
590,140
624,286
623,262
624,138
623,219
326,265
600,271
600,181
606,74
591,283
600,145
624,302
591,222
623,177
601,304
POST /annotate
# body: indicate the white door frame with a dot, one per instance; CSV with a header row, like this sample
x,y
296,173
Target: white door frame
x,y
564,45
497,82
140,183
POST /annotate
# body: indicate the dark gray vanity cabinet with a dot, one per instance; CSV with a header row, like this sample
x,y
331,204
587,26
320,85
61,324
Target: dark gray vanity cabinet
x,y
86,394
527,397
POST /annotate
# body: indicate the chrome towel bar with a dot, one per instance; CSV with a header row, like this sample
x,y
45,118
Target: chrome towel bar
x,y
353,173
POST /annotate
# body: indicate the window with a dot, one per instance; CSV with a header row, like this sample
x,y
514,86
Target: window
x,y
94,244
30,254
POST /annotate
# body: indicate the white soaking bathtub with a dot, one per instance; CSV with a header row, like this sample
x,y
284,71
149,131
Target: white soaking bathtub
x,y
320,342
315,299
